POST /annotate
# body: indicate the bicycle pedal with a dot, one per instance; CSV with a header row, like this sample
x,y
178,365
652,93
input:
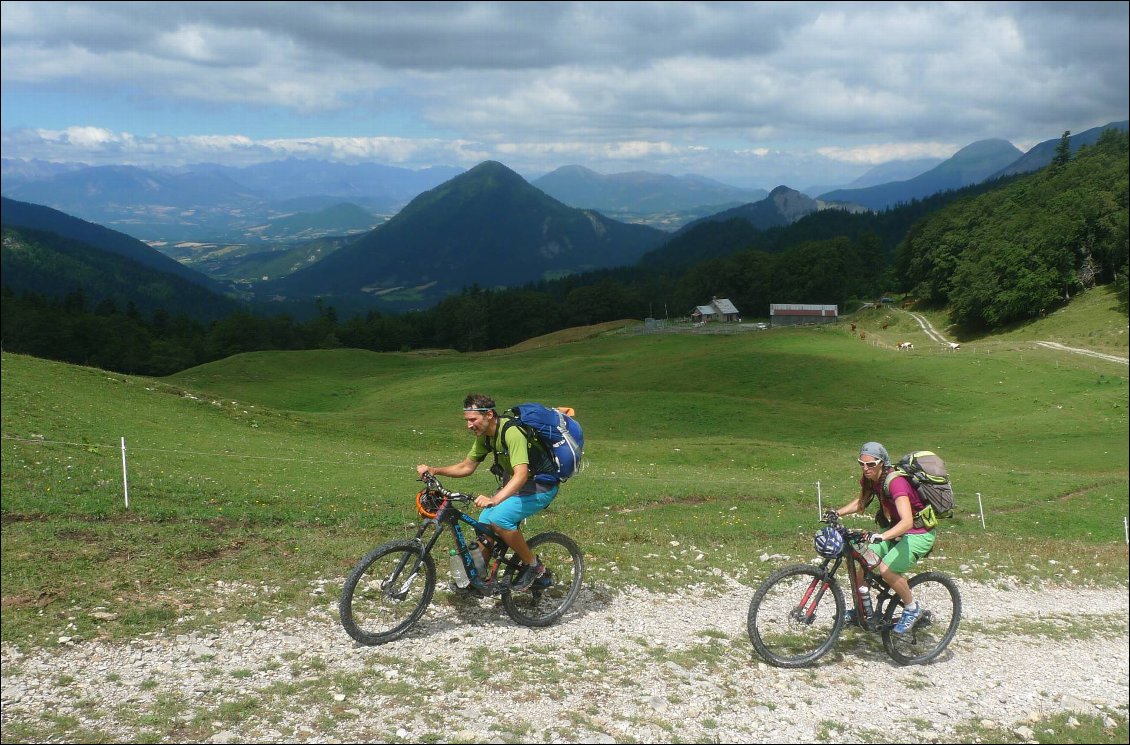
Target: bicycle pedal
x,y
486,589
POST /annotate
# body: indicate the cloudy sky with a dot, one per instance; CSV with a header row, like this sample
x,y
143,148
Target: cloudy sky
x,y
752,94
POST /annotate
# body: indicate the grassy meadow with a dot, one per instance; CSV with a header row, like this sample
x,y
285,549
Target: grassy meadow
x,y
254,479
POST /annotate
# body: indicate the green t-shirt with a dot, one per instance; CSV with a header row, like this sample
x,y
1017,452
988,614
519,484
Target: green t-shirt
x,y
515,451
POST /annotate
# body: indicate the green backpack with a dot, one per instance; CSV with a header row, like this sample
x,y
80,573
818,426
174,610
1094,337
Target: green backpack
x,y
927,473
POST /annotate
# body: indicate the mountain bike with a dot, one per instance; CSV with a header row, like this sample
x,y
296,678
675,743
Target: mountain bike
x,y
797,613
391,586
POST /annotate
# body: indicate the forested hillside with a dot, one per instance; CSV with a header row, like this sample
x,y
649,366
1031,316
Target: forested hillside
x,y
1020,251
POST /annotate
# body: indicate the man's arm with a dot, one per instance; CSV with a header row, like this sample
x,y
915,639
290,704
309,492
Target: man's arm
x,y
458,470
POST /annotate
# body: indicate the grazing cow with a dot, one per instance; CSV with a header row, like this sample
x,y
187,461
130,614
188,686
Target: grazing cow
x,y
954,346
905,345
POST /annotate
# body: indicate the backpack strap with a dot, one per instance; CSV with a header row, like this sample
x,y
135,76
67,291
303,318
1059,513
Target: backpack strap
x,y
534,448
888,478
886,487
921,517
500,440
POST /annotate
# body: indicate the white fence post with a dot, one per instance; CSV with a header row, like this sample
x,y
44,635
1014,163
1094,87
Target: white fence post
x,y
125,478
981,509
819,501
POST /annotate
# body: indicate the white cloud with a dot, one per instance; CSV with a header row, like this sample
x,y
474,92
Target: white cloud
x,y
680,85
876,154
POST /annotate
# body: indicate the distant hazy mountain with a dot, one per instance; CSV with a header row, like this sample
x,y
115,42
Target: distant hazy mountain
x,y
96,189
639,192
970,165
208,202
895,170
1042,154
372,184
37,217
13,170
781,207
488,227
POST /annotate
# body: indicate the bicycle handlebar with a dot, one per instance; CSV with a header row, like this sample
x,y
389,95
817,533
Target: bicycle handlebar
x,y
432,484
833,518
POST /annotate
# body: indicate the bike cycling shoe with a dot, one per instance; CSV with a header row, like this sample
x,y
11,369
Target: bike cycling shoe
x,y
529,574
907,620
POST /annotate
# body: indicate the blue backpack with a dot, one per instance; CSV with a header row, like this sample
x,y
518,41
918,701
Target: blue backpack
x,y
557,443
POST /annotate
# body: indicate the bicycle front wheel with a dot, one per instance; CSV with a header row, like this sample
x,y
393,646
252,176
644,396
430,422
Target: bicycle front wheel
x,y
796,616
553,593
387,592
940,601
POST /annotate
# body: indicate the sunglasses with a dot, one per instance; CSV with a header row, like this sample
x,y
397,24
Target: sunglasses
x,y
869,463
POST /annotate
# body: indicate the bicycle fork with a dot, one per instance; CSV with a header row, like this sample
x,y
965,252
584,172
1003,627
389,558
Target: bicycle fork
x,y
396,588
805,612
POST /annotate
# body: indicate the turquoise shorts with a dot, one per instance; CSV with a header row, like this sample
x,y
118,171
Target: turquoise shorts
x,y
905,552
517,508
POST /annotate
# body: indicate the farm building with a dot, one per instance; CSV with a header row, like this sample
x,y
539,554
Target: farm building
x,y
792,314
720,309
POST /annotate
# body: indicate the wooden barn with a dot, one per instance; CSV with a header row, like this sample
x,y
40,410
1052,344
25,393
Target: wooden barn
x,y
720,309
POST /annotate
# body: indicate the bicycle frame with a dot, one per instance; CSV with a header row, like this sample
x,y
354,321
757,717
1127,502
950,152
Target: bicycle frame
x,y
856,565
449,516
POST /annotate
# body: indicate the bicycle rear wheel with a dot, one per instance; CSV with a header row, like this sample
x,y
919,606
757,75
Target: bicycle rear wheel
x,y
387,592
553,593
940,601
794,618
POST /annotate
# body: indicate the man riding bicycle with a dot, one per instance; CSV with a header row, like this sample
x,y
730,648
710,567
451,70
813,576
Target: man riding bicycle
x,y
900,544
519,495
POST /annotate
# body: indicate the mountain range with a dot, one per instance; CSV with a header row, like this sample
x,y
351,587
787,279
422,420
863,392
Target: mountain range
x,y
213,203
658,199
487,226
973,164
782,207
285,201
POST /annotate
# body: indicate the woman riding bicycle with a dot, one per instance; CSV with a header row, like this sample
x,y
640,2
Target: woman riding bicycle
x,y
900,544
519,495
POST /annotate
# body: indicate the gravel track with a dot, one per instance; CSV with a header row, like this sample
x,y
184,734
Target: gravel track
x,y
625,666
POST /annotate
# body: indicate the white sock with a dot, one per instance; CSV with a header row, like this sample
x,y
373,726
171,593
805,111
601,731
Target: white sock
x,y
912,607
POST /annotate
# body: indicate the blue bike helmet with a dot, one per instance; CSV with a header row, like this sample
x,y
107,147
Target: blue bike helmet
x,y
829,543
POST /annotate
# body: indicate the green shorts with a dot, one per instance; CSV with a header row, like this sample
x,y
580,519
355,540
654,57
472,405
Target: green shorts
x,y
905,552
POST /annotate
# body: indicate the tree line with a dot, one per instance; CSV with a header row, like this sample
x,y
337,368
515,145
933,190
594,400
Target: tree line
x,y
126,340
992,255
